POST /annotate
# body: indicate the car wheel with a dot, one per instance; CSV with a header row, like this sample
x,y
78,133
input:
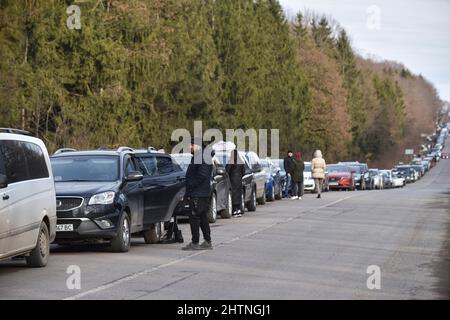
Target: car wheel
x,y
154,234
272,193
279,195
228,211
252,204
39,256
242,202
212,212
262,200
121,243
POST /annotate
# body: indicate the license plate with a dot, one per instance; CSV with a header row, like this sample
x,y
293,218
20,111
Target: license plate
x,y
64,227
333,183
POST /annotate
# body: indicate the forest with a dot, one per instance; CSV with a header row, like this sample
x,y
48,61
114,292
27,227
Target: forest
x,y
138,69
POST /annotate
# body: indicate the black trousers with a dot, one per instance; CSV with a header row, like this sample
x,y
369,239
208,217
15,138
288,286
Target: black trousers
x,y
199,219
298,188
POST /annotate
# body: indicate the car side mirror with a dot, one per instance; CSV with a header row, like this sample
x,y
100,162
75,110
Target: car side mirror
x,y
3,181
134,176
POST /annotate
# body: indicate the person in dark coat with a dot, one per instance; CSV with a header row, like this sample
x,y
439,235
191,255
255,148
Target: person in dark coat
x,y
297,177
198,193
236,170
288,167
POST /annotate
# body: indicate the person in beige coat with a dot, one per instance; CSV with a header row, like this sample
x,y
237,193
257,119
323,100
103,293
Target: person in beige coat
x,y
318,168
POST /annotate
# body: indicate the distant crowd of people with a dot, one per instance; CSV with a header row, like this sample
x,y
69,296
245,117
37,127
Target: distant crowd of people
x,y
199,190
295,167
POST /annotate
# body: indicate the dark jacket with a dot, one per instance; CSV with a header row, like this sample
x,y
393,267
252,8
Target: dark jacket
x,y
289,164
299,167
236,172
199,180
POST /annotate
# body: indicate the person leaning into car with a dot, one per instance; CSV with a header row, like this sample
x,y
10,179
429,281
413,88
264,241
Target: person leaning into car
x,y
198,193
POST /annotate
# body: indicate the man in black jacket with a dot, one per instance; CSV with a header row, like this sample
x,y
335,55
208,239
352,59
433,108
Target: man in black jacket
x,y
198,193
289,168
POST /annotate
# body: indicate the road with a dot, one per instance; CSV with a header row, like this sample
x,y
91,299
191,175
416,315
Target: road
x,y
307,249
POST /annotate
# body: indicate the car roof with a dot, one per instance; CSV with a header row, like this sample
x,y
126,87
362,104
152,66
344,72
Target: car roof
x,y
87,153
20,137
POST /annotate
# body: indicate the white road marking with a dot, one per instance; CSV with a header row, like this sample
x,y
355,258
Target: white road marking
x,y
165,265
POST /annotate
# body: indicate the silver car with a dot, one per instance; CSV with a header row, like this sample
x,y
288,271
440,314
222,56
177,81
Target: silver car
x,y
27,198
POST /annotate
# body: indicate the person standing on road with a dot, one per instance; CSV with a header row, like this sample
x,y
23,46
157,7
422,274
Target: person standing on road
x,y
236,170
198,193
288,167
318,168
297,177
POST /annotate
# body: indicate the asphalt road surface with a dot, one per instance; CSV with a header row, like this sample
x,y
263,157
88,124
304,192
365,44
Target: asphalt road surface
x,y
307,249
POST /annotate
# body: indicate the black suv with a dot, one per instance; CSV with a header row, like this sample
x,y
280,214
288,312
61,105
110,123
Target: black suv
x,y
111,195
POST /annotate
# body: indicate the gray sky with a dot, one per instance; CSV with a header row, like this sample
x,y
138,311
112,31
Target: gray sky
x,y
413,32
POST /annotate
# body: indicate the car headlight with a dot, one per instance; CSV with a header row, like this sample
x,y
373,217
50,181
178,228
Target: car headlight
x,y
102,198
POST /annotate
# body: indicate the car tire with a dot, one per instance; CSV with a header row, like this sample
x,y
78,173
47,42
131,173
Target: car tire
x,y
212,212
122,242
243,202
271,196
154,234
38,257
228,211
262,200
279,195
252,204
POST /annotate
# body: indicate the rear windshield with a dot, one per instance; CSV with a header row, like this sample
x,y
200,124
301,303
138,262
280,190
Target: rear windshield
x,y
338,169
86,168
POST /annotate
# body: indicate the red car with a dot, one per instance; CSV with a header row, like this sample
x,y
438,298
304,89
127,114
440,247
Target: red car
x,y
340,177
444,155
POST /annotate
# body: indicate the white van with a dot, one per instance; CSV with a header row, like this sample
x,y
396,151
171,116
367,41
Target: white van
x,y
27,198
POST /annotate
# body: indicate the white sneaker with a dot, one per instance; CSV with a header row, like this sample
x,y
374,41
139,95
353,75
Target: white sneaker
x,y
294,198
299,198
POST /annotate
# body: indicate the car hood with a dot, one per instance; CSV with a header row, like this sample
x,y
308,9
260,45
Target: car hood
x,y
307,174
84,189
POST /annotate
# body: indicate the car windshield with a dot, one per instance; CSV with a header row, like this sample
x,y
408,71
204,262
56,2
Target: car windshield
x,y
338,169
266,166
308,167
357,169
183,160
86,168
403,169
281,164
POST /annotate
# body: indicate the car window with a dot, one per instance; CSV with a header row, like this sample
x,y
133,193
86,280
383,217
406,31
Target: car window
x,y
85,168
2,165
35,159
164,165
23,161
148,165
129,167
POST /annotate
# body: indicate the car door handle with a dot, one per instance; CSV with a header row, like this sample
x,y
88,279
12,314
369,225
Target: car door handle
x,y
5,197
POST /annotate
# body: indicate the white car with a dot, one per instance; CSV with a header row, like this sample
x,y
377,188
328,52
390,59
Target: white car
x,y
397,180
377,181
27,198
308,181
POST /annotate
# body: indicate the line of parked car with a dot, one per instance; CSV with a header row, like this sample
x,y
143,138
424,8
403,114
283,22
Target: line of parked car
x,y
110,196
